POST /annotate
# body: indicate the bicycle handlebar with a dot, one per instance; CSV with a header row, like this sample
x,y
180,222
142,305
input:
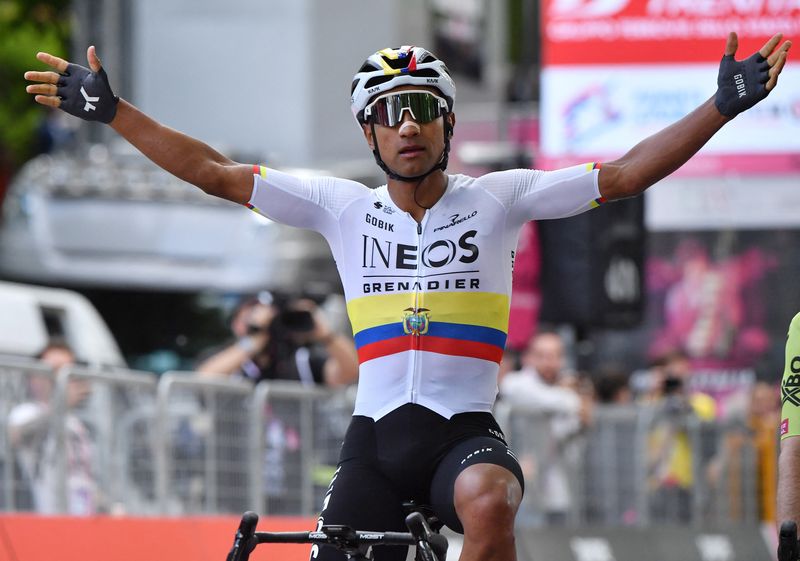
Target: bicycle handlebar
x,y
430,545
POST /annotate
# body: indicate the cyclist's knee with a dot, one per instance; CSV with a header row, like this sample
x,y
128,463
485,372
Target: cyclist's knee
x,y
487,494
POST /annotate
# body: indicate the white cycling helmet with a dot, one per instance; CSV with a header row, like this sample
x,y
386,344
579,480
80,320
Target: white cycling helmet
x,y
392,67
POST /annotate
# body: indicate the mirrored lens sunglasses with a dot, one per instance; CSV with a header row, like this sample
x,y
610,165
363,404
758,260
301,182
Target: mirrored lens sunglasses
x,y
387,110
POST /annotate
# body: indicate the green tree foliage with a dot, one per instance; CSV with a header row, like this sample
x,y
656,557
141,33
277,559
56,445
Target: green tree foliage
x,y
26,27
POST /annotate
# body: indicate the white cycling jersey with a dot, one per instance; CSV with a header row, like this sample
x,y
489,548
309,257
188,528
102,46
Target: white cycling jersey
x,y
428,301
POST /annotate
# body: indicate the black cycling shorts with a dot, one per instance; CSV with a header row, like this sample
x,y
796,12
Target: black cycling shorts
x,y
410,454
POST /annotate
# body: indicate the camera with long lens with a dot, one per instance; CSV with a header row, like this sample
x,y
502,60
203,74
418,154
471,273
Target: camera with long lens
x,y
298,321
675,403
292,317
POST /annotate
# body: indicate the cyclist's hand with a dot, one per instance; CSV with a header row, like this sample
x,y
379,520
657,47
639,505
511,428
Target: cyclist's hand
x,y
742,84
788,549
80,91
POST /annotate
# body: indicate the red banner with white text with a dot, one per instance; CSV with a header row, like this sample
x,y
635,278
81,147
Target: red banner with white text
x,y
616,71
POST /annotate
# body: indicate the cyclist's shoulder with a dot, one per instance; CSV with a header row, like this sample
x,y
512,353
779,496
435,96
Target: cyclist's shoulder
x,y
790,383
313,180
495,183
794,326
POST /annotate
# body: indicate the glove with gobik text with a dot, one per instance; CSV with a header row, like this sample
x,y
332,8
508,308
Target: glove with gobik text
x,y
87,94
741,83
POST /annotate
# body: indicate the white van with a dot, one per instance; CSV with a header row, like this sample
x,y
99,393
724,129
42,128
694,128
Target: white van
x,y
31,315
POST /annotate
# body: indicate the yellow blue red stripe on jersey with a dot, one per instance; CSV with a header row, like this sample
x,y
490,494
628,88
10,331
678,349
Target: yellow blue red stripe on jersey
x,y
469,324
599,200
257,170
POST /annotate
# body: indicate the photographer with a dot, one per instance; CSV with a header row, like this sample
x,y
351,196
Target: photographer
x,y
670,455
284,340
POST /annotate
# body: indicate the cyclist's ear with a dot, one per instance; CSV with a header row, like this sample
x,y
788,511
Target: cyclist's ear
x,y
450,123
367,130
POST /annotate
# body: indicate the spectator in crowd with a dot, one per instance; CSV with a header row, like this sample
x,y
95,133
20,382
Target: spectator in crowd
x,y
278,339
751,431
610,456
611,386
284,341
543,386
669,454
669,379
31,435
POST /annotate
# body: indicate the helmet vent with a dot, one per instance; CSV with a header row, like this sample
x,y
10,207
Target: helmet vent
x,y
374,81
423,73
368,67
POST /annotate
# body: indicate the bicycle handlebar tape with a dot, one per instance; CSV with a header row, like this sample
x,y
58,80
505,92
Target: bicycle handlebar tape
x,y
788,549
86,94
741,84
245,541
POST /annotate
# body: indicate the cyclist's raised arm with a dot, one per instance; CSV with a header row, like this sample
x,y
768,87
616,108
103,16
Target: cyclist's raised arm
x,y
741,84
85,93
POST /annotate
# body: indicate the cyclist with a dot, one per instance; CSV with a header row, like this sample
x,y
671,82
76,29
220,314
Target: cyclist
x,y
789,459
425,261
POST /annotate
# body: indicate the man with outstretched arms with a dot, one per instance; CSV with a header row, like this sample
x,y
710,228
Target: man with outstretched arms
x,y
425,261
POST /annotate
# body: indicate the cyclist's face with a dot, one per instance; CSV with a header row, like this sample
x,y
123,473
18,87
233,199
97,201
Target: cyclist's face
x,y
410,148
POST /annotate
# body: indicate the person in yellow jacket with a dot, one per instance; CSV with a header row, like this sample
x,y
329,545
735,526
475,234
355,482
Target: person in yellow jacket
x,y
670,459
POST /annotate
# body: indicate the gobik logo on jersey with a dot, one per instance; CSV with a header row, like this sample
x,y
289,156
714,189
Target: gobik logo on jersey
x,y
790,388
416,321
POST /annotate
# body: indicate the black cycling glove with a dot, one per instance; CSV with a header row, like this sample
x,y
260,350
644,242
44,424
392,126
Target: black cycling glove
x,y
87,94
741,84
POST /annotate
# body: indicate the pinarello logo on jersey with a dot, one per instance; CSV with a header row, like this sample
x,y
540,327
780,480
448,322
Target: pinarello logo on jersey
x,y
416,321
784,427
456,219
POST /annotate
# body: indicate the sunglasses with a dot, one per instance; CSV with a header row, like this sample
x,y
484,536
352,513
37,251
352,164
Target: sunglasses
x,y
423,106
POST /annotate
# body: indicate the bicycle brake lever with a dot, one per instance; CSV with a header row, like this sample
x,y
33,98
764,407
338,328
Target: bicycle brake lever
x,y
245,541
423,535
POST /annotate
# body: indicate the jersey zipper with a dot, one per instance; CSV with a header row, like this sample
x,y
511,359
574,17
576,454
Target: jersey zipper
x,y
415,370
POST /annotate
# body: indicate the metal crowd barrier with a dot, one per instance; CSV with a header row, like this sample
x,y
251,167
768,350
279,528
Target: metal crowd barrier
x,y
297,431
185,444
634,466
76,445
224,446
115,419
14,390
202,444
